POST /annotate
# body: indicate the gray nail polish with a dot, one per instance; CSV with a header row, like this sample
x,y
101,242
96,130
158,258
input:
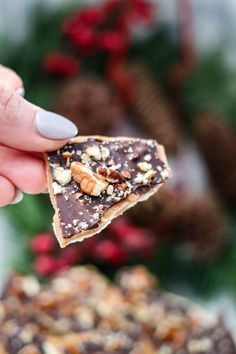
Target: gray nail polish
x,y
21,91
18,197
53,126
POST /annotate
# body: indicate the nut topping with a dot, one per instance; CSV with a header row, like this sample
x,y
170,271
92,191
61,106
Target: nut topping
x,y
110,189
115,167
28,349
66,154
149,175
105,153
139,178
49,348
57,189
144,178
110,175
75,222
111,162
126,174
62,176
122,186
133,156
85,158
144,166
165,174
90,183
148,157
94,151
103,171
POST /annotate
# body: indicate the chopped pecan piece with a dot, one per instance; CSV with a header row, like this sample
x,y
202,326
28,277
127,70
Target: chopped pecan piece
x,y
126,174
105,153
66,154
110,175
110,189
94,151
144,166
62,176
122,186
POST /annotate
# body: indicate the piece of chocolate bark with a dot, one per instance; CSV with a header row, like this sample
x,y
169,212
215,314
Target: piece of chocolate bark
x,y
79,311
94,179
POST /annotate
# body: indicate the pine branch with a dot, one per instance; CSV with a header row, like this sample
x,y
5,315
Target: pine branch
x,y
211,87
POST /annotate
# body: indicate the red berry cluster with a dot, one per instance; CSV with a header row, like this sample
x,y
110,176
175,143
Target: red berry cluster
x,y
121,243
107,27
49,257
61,64
124,242
95,29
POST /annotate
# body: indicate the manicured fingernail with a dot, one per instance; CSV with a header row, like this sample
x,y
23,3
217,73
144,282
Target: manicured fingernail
x,y
18,197
21,91
53,126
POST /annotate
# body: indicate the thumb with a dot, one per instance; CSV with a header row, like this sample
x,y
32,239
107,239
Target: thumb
x,y
25,126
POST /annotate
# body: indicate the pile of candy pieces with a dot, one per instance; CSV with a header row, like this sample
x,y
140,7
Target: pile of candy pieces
x,y
81,312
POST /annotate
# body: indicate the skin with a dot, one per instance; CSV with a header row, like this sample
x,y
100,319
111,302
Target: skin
x,y
21,146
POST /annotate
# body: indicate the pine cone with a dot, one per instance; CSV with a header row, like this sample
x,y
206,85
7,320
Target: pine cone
x,y
197,223
161,206
89,103
152,110
216,141
200,225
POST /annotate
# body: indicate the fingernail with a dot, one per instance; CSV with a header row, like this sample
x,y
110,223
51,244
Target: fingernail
x,y
53,126
18,197
21,91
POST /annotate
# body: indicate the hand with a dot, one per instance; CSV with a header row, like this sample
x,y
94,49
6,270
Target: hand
x,y
25,132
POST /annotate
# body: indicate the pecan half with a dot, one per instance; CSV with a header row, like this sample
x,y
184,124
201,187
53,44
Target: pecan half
x,y
90,182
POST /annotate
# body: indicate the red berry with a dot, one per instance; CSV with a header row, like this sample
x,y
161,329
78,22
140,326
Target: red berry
x,y
84,38
112,7
60,264
132,238
71,255
114,42
45,265
142,10
43,243
91,16
61,64
109,252
87,246
119,227
138,241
